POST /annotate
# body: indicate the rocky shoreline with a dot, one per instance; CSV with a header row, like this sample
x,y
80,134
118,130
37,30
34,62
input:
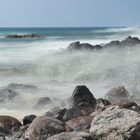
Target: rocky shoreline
x,y
115,117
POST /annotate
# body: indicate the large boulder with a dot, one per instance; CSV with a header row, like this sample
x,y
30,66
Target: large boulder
x,y
82,97
117,94
43,127
10,123
81,123
116,124
72,136
82,46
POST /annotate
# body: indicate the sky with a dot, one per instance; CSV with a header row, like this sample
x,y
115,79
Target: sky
x,y
69,13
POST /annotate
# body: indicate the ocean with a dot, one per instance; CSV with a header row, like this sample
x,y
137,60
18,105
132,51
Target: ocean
x,y
45,63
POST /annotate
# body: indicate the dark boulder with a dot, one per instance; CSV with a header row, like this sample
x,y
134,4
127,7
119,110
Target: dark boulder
x,y
79,46
117,94
72,136
10,123
15,36
28,119
72,113
43,127
82,97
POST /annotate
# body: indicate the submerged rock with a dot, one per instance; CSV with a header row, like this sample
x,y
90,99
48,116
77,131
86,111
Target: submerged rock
x,y
43,127
16,87
82,97
10,123
42,102
117,94
72,136
116,124
82,46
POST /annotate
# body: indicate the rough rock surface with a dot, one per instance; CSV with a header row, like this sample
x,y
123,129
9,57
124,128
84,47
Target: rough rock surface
x,y
117,94
81,123
116,124
10,123
72,136
82,97
43,127
82,46
28,119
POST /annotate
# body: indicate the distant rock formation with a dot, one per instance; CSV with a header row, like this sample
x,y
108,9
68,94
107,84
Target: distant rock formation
x,y
14,36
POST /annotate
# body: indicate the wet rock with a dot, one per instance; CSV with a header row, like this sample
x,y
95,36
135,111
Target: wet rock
x,y
17,87
72,136
10,123
7,94
117,94
81,123
72,113
4,132
28,119
57,114
82,46
82,97
101,103
43,127
23,36
42,102
116,124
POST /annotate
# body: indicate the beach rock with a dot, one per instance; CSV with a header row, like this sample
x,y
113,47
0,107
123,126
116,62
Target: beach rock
x,y
117,94
10,123
15,36
116,124
4,132
81,123
57,114
17,87
43,127
42,102
28,119
101,103
79,46
7,94
72,113
72,136
82,97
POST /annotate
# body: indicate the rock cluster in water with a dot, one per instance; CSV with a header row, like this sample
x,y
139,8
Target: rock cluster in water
x,y
129,41
23,36
114,118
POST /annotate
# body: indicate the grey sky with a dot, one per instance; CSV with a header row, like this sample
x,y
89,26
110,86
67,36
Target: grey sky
x,y
69,13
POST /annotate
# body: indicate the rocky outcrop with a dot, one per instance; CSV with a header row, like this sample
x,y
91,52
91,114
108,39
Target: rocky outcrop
x,y
28,119
44,127
82,97
117,94
82,46
72,136
116,124
129,41
10,123
14,36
